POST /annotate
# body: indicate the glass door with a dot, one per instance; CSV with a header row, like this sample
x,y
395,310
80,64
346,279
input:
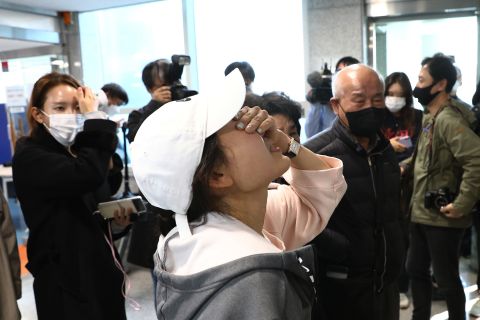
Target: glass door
x,y
401,45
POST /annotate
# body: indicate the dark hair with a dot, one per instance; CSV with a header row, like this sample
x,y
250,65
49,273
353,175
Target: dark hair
x,y
244,67
154,70
40,91
203,201
476,95
279,103
441,67
252,99
315,79
114,90
347,60
407,114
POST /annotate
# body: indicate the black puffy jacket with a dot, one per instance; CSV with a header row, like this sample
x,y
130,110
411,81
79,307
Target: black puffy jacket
x,y
363,236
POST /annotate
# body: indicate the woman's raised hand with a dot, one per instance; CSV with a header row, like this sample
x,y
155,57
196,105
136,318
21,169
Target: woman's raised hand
x,y
254,119
86,100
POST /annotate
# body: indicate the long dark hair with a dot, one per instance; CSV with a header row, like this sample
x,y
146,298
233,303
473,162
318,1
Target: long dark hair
x,y
407,114
203,200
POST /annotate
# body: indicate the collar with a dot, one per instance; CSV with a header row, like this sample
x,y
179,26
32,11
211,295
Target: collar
x,y
43,137
378,144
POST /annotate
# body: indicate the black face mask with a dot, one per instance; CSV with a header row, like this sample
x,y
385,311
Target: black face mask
x,y
366,122
423,94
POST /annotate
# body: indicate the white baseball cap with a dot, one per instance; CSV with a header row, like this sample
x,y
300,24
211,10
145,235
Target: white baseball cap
x,y
168,145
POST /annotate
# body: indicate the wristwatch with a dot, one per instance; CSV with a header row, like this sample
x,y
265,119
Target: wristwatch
x,y
293,149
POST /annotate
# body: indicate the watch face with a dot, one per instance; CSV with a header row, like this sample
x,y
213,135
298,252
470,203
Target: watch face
x,y
293,149
295,146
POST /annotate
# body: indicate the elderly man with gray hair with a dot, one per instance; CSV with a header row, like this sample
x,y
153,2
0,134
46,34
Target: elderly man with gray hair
x,y
361,251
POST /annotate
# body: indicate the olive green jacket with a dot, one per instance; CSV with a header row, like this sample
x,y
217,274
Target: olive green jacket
x,y
454,162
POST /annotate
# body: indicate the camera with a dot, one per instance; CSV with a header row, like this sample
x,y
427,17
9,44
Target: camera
x,y
438,198
173,75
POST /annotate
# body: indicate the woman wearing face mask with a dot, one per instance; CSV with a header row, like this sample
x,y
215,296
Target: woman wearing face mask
x,y
57,171
403,123
402,126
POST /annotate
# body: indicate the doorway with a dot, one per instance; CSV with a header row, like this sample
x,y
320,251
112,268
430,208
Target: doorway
x,y
401,45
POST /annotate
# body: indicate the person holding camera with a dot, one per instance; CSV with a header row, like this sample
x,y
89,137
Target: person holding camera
x,y
361,251
320,115
58,171
446,185
162,80
153,77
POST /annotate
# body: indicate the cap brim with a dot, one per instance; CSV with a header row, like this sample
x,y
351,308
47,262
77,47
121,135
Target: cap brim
x,y
226,103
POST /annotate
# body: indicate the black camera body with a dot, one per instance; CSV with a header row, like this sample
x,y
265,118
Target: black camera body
x,y
173,75
438,198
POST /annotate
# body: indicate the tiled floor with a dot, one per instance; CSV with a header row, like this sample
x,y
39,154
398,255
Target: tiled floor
x,y
439,307
141,288
141,292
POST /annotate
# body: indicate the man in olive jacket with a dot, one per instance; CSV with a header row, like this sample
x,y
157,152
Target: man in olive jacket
x,y
446,186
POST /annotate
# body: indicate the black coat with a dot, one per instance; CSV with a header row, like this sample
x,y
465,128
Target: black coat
x,y
136,118
75,276
363,235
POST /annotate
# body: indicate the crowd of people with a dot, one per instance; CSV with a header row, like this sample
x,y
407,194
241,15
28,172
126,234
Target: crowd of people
x,y
243,221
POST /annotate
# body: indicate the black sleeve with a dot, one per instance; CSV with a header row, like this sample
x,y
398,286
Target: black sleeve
x,y
319,141
476,96
135,119
61,174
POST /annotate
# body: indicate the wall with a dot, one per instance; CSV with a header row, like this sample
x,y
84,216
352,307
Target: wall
x,y
334,29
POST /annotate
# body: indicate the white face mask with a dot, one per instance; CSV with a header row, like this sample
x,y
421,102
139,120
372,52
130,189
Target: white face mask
x,y
102,98
395,104
65,127
456,86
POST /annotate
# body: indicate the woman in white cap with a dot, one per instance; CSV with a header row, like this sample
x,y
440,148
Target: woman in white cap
x,y
225,257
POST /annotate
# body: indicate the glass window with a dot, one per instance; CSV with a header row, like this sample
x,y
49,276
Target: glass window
x,y
117,43
268,34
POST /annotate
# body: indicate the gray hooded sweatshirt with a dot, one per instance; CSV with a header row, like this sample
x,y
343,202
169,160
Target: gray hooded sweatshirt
x,y
260,286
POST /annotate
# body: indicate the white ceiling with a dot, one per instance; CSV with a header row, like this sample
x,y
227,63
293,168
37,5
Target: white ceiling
x,y
53,6
72,5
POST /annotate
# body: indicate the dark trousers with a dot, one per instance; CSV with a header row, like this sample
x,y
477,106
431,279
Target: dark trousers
x,y
440,248
476,223
346,299
55,302
403,279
